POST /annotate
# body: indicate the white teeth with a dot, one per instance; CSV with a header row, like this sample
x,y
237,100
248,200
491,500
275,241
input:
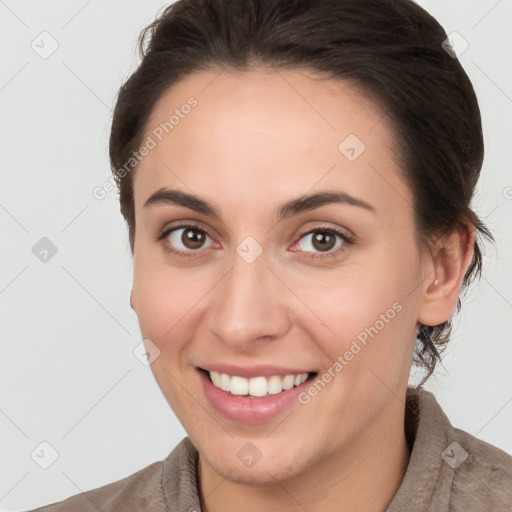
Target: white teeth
x,y
275,385
288,382
225,381
215,376
257,386
239,386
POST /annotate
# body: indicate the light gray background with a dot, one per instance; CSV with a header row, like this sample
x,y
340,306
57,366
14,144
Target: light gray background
x,y
69,376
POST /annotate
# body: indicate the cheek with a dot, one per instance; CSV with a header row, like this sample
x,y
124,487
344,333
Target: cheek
x,y
168,301
373,304
348,304
167,304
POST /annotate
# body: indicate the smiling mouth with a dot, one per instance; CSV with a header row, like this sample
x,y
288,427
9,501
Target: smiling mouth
x,y
256,387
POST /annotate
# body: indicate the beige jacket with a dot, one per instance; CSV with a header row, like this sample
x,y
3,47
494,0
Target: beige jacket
x,y
449,471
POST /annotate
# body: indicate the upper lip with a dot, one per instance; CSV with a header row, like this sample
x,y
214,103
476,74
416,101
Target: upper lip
x,y
262,370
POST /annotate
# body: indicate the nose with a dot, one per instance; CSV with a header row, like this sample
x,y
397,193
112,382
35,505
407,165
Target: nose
x,y
250,303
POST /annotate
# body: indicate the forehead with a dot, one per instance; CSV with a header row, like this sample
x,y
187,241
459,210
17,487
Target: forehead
x,y
270,134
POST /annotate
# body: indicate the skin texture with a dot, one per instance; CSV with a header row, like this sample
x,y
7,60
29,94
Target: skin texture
x,y
255,140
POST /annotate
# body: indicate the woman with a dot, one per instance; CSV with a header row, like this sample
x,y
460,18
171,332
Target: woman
x,y
296,178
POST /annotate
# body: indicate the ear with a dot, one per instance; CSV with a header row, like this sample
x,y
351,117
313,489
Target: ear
x,y
445,267
132,302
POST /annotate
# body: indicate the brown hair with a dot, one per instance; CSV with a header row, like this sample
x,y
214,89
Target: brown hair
x,y
391,49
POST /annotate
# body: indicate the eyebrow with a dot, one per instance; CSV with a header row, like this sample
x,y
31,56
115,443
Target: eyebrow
x,y
304,203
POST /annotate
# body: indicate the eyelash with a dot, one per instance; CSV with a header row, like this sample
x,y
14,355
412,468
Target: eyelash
x,y
346,240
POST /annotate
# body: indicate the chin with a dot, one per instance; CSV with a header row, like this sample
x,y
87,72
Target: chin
x,y
260,474
268,470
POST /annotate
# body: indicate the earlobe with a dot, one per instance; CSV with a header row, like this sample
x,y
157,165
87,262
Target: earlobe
x,y
448,266
132,301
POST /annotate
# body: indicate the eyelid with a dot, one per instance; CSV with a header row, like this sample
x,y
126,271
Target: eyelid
x,y
166,231
343,232
347,239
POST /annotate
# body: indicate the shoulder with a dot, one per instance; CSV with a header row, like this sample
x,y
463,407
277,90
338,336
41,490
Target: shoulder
x,y
482,476
469,473
141,490
152,489
449,469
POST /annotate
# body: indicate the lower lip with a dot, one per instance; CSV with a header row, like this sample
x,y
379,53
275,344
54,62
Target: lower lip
x,y
249,410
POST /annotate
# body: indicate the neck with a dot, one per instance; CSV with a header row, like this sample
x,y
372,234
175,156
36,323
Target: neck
x,y
365,476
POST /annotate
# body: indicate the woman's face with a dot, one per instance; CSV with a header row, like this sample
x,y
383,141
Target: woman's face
x,y
331,285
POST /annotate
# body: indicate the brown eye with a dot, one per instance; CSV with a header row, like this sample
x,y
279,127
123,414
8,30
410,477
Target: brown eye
x,y
187,238
321,240
192,238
